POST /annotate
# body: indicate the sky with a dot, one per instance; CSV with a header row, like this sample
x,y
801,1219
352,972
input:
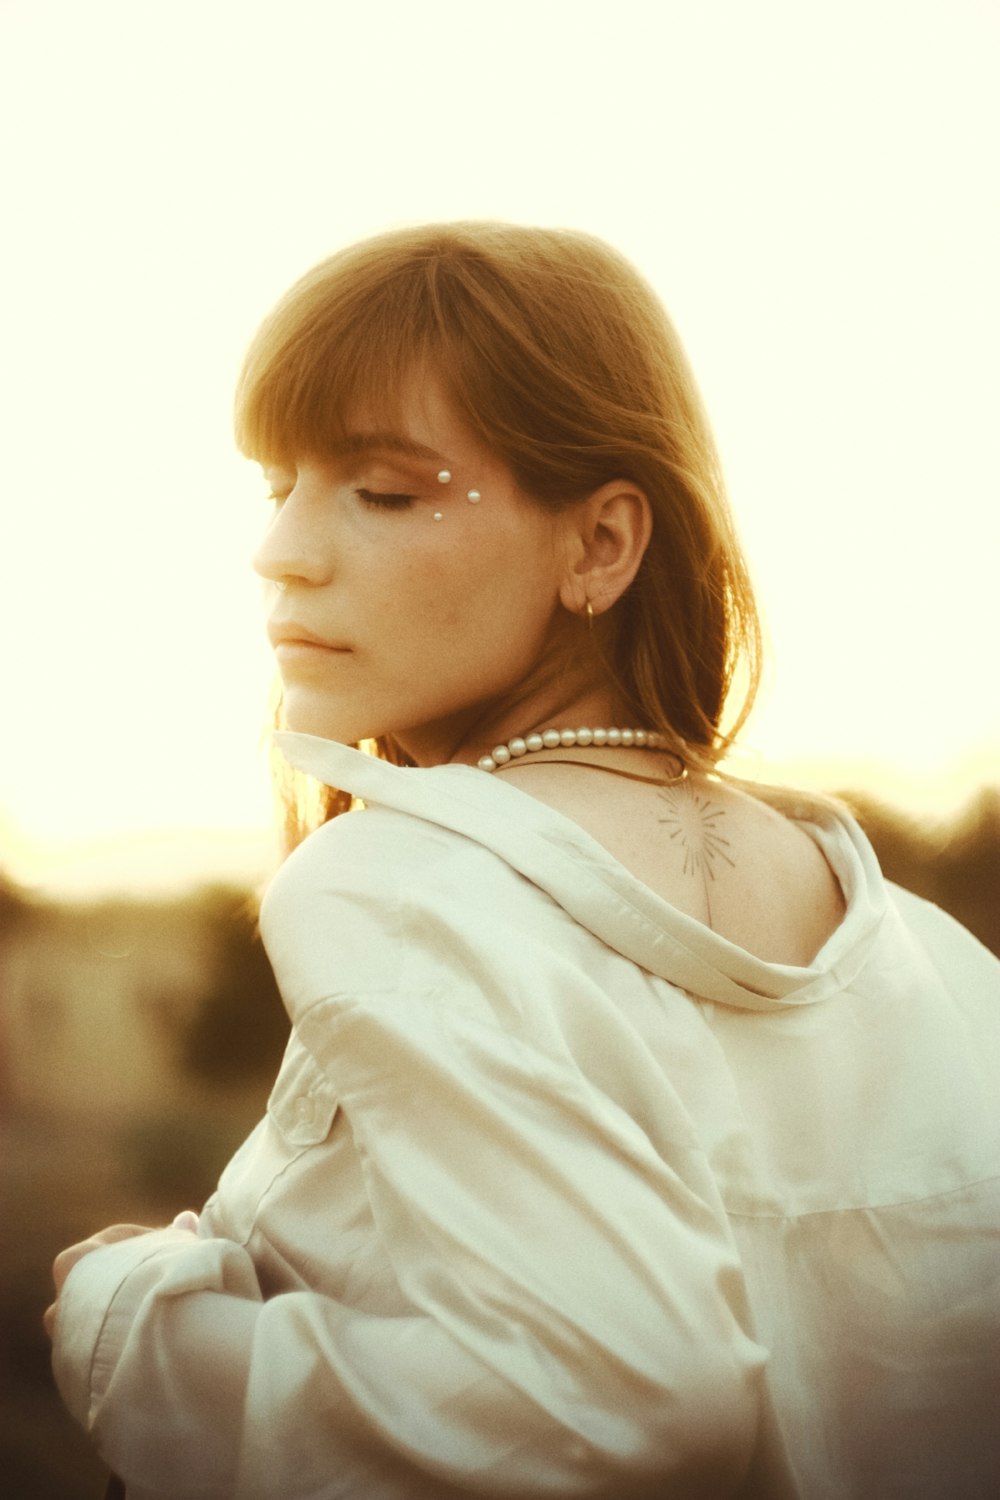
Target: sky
x,y
812,189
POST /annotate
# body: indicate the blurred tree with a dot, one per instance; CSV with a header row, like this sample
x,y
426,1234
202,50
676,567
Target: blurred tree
x,y
240,1028
957,866
16,910
968,869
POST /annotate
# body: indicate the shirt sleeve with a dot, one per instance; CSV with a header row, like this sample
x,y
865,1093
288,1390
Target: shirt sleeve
x,y
573,1319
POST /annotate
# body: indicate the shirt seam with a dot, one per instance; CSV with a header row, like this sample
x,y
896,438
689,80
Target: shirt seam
x,y
863,1208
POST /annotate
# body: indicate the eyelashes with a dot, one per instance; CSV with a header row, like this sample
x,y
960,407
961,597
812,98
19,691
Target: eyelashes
x,y
380,500
376,499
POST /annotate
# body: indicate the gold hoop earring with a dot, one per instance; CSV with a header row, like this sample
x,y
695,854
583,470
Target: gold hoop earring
x,y
590,615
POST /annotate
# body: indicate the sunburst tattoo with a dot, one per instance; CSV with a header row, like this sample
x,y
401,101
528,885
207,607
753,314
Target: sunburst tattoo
x,y
693,821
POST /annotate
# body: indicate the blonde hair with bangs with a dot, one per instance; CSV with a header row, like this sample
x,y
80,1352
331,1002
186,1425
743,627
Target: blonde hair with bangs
x,y
560,358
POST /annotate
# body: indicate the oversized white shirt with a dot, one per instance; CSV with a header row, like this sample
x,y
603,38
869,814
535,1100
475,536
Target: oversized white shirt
x,y
561,1194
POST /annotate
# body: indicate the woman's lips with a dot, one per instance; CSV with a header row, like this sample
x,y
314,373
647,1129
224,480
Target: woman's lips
x,y
291,648
288,636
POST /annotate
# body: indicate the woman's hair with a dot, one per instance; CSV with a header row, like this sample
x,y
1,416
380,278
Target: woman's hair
x,y
561,359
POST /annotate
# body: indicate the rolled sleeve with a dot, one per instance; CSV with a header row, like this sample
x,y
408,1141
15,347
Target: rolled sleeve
x,y
150,1352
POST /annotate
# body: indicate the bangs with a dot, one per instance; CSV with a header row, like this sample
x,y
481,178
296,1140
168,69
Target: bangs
x,y
338,351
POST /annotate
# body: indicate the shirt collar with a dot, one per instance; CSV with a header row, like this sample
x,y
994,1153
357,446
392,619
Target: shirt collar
x,y
566,862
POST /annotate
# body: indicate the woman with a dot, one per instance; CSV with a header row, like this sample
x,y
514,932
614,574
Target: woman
x,y
633,1138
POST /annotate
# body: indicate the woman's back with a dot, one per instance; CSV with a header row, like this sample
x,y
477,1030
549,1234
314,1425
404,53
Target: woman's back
x,y
715,853
835,1122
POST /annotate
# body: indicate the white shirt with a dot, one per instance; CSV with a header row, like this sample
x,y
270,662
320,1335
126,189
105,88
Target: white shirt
x,y
559,1193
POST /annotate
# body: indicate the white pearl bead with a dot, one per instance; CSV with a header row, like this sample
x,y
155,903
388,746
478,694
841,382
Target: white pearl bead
x,y
474,496
439,515
517,746
551,738
584,736
444,476
600,736
535,742
614,736
641,737
487,763
501,755
628,737
568,737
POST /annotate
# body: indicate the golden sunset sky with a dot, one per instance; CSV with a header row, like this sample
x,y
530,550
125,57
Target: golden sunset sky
x,y
812,187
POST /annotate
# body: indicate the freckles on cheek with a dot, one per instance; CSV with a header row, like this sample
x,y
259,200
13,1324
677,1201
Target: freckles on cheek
x,y
446,591
449,614
467,577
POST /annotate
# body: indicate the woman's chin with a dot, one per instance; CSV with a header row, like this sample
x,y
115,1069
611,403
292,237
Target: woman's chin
x,y
310,718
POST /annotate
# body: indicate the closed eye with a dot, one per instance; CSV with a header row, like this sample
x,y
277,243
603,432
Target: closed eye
x,y
384,501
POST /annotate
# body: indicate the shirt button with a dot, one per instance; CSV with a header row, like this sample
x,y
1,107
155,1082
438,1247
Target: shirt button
x,y
304,1109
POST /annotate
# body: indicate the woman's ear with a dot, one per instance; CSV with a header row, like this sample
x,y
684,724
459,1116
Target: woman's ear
x,y
607,536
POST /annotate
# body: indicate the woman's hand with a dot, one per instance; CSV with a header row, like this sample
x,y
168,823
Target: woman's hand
x,y
67,1259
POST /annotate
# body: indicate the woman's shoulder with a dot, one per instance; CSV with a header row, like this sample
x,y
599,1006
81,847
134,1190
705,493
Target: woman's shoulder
x,y
376,844
355,880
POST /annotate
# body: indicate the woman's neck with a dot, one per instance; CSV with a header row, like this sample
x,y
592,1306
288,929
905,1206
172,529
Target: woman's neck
x,y
465,739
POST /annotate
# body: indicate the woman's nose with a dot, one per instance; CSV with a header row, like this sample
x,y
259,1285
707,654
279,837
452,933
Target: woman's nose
x,y
292,547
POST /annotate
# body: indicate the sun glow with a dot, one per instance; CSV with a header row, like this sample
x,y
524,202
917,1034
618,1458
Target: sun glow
x,y
831,270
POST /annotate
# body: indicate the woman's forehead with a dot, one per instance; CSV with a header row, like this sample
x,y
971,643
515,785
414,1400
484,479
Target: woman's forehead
x,y
417,422
363,410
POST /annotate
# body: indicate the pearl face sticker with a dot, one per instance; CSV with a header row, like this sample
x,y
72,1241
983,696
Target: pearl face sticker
x,y
473,496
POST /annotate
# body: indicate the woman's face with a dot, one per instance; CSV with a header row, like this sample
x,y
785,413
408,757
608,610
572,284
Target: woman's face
x,y
408,608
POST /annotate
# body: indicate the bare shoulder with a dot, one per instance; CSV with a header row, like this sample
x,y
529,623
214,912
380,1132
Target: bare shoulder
x,y
712,850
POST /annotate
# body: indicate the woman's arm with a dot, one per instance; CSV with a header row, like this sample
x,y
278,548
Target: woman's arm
x,y
573,1306
566,1315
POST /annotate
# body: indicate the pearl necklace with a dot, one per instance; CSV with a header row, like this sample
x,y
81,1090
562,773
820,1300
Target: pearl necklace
x,y
554,739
